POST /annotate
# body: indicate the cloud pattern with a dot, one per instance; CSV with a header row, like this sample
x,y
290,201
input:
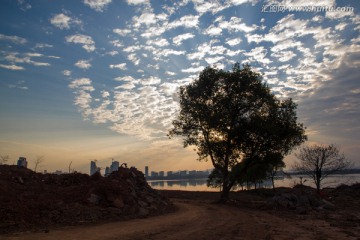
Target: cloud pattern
x,y
164,46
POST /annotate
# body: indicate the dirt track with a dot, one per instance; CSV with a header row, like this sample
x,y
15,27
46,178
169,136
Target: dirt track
x,y
199,220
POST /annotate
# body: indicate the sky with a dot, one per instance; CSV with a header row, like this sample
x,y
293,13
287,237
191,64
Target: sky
x,y
98,79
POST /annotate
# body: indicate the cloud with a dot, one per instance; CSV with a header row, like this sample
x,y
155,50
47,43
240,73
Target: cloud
x,y
126,78
150,81
121,66
182,37
236,24
117,43
42,45
14,57
86,41
137,2
121,32
112,53
209,6
80,82
167,52
284,56
240,2
234,41
297,56
213,31
83,64
160,42
97,5
187,21
12,67
63,21
338,14
193,70
128,82
213,60
14,39
146,18
24,6
19,85
66,73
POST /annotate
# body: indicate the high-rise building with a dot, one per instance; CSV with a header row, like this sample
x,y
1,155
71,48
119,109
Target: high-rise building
x,y
22,162
93,168
146,171
114,166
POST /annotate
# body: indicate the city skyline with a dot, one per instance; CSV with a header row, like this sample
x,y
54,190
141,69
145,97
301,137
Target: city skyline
x,y
85,80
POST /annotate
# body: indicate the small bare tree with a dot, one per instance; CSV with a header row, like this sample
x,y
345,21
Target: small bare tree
x,y
4,159
38,162
319,161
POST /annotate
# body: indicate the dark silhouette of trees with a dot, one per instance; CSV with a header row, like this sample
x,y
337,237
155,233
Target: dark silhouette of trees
x,y
235,122
319,161
214,180
38,161
276,164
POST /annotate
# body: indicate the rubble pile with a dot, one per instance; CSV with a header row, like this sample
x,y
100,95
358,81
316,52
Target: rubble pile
x,y
35,201
303,199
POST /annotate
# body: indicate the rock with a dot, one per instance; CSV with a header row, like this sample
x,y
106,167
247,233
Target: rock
x,y
301,210
327,205
303,201
20,180
119,202
143,212
94,199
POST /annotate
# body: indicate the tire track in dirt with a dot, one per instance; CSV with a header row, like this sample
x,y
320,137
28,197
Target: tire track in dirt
x,y
195,220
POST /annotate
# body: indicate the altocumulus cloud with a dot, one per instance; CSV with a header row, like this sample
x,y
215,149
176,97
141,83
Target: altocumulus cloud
x,y
86,41
173,45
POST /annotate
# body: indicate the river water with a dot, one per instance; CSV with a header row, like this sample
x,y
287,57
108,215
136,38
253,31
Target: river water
x,y
200,184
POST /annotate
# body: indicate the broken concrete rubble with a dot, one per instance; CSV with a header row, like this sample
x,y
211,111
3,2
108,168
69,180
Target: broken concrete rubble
x,y
42,201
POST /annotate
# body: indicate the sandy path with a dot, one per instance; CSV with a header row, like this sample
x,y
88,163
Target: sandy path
x,y
198,220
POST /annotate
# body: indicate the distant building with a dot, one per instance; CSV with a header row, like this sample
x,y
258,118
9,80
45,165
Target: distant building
x,y
154,174
22,162
114,166
161,174
93,168
58,172
146,171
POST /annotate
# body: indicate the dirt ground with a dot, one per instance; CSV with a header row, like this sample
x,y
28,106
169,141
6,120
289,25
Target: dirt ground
x,y
199,217
123,206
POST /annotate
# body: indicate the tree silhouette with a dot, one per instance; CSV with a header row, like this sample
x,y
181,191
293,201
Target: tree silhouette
x,y
232,118
319,161
4,159
38,161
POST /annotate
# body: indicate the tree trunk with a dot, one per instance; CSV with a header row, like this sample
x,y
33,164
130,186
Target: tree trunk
x,y
225,188
225,194
318,180
318,185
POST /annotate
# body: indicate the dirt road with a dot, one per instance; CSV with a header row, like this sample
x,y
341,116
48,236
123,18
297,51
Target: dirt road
x,y
198,220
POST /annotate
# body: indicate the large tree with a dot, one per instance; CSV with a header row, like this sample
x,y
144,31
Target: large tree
x,y
319,161
235,121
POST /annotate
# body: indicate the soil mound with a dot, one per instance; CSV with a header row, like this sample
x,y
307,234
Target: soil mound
x,y
36,202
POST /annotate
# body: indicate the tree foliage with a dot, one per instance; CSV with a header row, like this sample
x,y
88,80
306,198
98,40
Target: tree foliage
x,y
235,121
319,161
